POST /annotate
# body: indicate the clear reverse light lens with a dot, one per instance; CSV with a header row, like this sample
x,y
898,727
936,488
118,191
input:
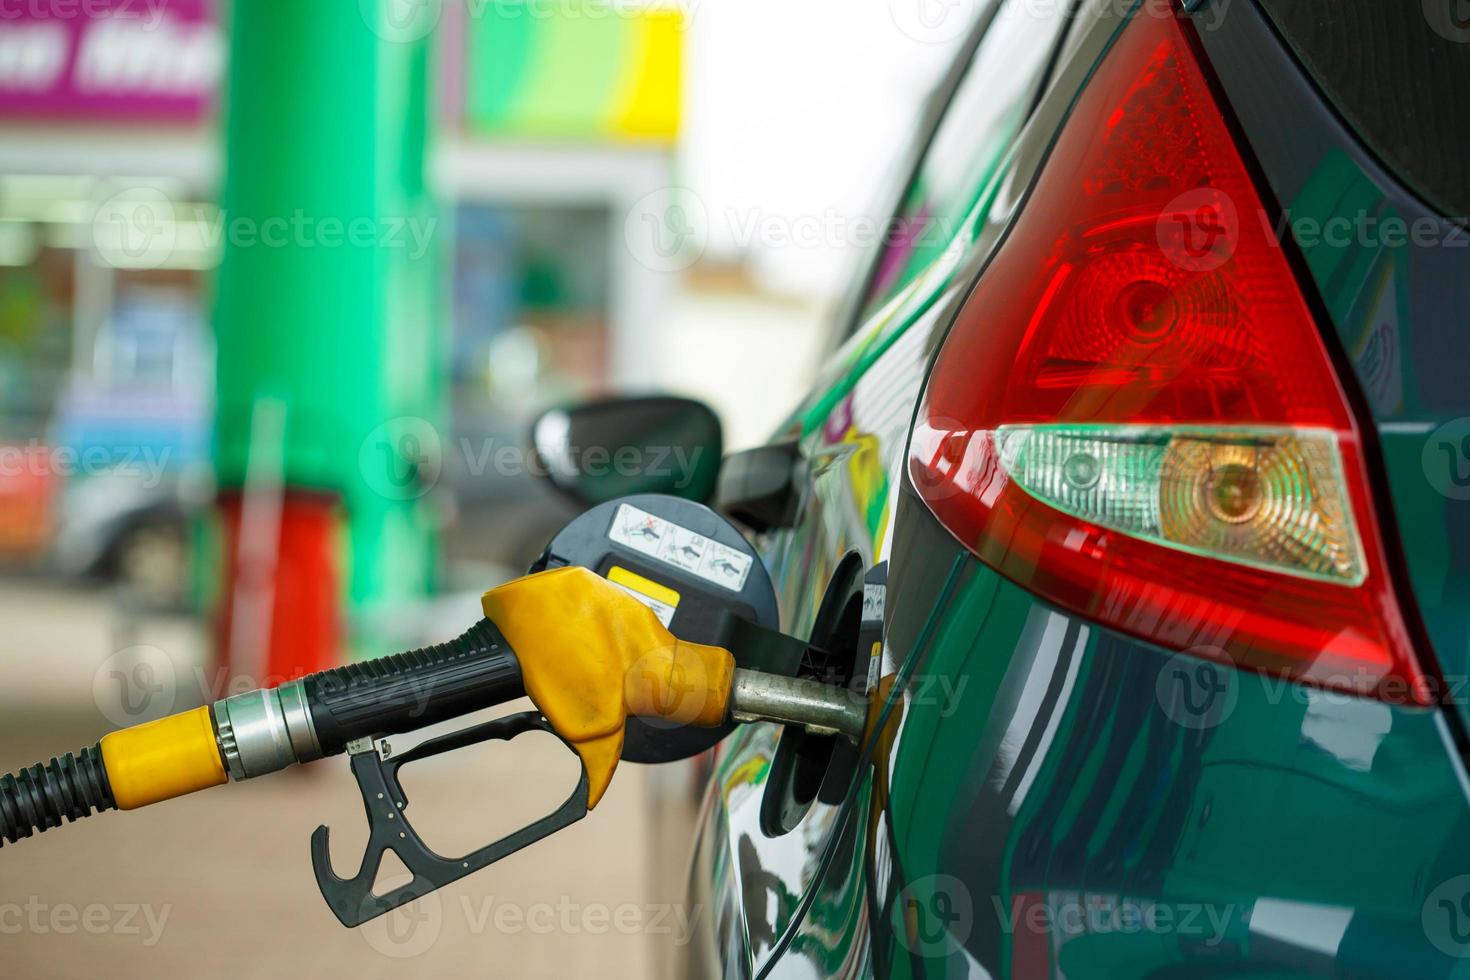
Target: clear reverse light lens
x,y
1273,498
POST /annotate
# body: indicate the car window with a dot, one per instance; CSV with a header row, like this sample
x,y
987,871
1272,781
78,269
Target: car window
x,y
987,110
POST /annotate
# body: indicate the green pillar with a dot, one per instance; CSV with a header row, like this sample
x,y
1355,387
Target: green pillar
x,y
327,297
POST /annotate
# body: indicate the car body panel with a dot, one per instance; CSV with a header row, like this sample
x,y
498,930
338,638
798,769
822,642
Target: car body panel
x,y
845,509
1394,282
1078,803
1092,806
1060,799
853,434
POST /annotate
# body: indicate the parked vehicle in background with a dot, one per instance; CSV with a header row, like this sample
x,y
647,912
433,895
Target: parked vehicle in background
x,y
27,499
136,429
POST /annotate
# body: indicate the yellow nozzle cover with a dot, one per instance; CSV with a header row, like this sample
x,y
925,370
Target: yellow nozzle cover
x,y
162,759
591,655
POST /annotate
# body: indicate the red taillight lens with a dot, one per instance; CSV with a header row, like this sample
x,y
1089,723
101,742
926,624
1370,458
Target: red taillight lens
x,y
1135,416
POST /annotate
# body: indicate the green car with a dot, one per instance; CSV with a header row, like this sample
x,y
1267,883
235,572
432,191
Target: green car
x,y
1139,494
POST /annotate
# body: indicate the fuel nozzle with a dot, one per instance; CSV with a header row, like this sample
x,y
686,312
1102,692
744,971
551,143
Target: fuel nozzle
x,y
589,656
261,732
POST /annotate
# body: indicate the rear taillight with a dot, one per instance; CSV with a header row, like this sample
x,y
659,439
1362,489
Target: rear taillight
x,y
1134,415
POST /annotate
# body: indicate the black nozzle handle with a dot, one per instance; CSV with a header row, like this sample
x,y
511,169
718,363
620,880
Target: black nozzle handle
x,y
412,690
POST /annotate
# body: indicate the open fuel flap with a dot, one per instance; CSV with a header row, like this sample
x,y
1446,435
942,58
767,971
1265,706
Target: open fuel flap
x,y
706,583
811,766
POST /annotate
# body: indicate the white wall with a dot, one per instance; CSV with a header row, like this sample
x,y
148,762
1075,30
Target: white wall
x,y
795,112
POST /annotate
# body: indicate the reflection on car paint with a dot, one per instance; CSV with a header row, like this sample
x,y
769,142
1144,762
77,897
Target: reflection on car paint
x,y
1129,840
846,505
853,431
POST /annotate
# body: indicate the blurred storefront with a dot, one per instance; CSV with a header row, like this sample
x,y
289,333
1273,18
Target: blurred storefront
x,y
557,124
105,367
549,125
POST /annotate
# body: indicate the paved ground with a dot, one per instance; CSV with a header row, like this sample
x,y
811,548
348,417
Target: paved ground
x,y
220,884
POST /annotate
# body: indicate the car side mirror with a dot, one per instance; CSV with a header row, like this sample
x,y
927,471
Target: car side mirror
x,y
605,449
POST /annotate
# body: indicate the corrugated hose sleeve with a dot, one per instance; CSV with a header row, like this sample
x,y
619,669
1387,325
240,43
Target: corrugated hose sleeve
x,y
37,799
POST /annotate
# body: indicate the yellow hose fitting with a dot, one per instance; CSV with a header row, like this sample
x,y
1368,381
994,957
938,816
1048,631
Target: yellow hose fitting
x,y
163,759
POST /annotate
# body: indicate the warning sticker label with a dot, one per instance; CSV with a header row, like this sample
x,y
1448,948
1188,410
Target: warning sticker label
x,y
662,610
680,547
660,598
873,596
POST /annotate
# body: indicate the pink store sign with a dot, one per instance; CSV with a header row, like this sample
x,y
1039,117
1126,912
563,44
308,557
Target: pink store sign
x,y
109,59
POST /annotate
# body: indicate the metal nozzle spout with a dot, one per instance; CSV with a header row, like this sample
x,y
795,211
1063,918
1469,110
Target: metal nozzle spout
x,y
820,708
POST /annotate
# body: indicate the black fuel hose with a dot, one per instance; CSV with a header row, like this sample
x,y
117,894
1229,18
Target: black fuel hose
x,y
69,788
